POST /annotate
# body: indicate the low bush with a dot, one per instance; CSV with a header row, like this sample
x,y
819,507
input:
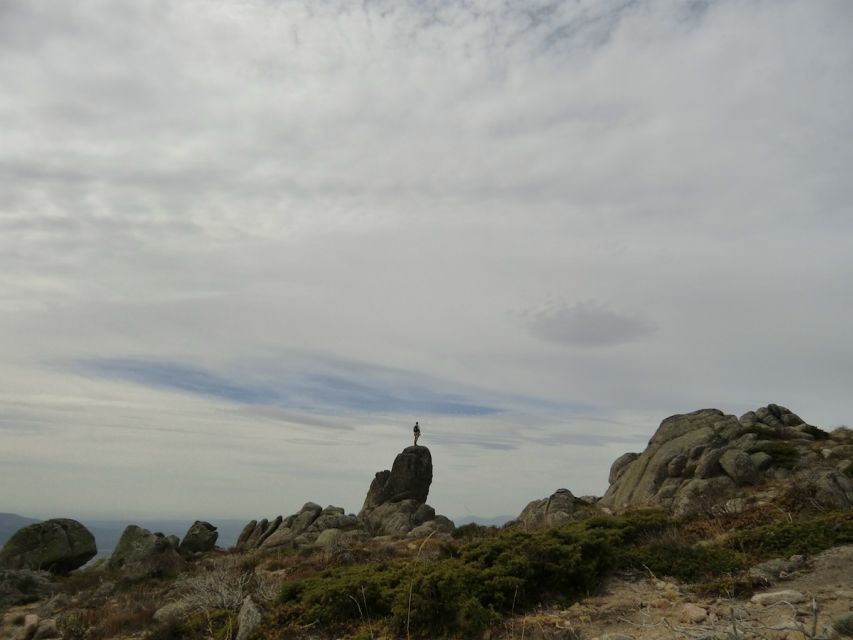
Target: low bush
x,y
809,534
487,577
784,454
513,570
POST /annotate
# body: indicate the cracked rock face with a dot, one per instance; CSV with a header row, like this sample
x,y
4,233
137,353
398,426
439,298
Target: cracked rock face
x,y
703,460
59,546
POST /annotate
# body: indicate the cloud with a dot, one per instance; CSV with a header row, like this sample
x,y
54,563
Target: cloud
x,y
275,232
351,389
587,325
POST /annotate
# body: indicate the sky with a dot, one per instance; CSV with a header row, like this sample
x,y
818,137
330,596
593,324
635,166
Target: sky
x,y
245,244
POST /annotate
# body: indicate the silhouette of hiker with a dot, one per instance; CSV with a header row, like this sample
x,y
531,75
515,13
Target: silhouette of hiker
x,y
417,432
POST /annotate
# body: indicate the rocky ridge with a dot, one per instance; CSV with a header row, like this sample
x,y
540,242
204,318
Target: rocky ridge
x,y
708,461
395,504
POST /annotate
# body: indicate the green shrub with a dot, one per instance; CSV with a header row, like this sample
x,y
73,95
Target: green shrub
x,y
732,586
328,597
473,530
784,455
515,570
487,577
807,535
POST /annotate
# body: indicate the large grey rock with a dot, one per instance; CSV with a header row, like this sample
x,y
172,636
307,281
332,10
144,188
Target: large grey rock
x,y
438,525
641,480
831,489
396,501
200,538
333,518
392,518
409,479
305,518
698,495
706,461
620,464
556,509
59,546
141,552
739,467
300,528
265,529
283,538
245,534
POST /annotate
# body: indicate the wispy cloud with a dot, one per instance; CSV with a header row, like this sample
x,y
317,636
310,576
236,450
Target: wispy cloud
x,y
200,198
296,390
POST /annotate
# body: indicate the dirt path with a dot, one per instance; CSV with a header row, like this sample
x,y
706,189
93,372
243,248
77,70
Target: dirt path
x,y
652,608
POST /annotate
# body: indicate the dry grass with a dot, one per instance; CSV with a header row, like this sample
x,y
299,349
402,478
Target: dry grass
x,y
130,612
224,586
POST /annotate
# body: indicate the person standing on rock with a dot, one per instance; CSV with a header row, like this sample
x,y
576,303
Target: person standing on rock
x,y
417,432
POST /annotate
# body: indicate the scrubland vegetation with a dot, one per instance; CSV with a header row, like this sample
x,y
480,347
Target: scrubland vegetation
x,y
460,587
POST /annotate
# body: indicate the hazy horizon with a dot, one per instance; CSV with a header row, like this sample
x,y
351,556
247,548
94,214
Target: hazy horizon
x,y
244,246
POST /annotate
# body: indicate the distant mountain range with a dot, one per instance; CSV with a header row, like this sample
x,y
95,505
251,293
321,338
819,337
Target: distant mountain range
x,y
10,523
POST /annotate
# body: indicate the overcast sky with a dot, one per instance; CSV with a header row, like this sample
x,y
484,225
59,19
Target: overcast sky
x,y
245,244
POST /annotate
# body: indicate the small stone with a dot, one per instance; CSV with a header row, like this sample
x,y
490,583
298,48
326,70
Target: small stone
x,y
46,629
775,597
692,613
172,612
55,604
31,623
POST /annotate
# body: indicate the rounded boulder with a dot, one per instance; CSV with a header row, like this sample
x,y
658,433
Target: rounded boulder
x,y
59,545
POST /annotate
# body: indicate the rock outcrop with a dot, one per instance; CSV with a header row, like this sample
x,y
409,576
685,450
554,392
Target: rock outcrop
x,y
141,552
200,538
558,508
707,461
409,479
59,546
396,500
299,529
